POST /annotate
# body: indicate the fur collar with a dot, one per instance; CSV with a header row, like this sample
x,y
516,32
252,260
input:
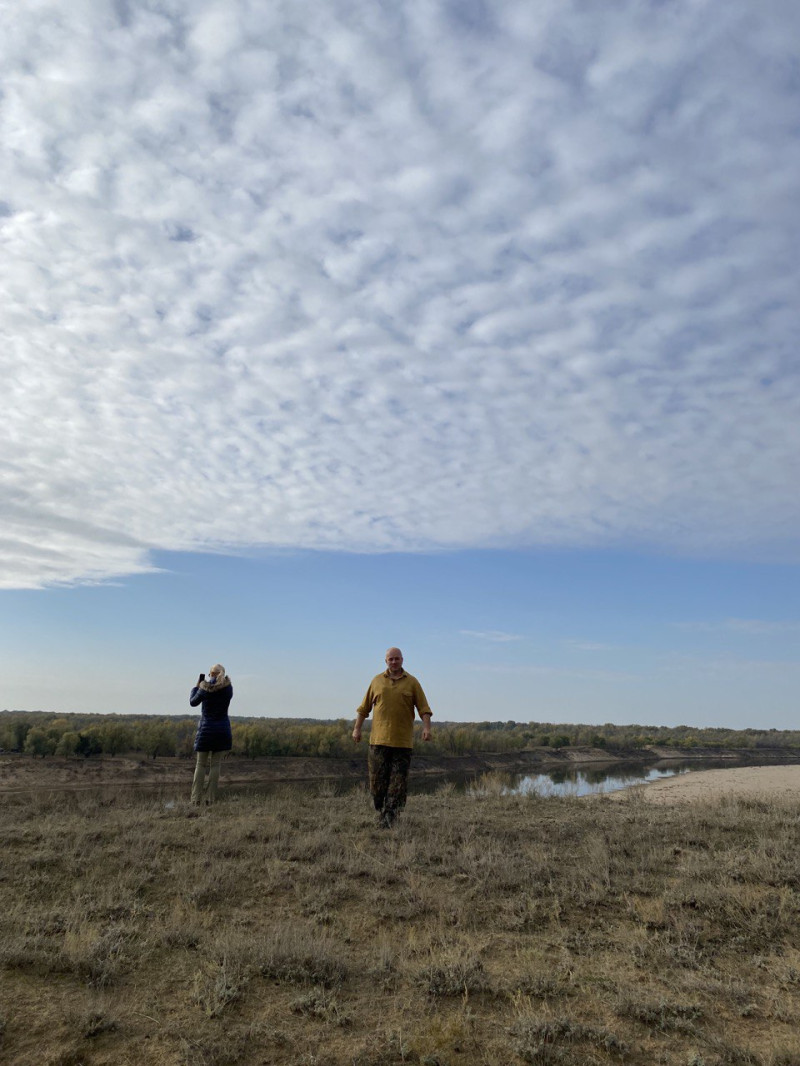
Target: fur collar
x,y
221,682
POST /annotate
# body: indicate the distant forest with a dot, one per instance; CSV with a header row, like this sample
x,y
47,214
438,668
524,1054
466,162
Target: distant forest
x,y
43,733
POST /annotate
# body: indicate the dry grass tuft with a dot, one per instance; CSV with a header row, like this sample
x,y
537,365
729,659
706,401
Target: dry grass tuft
x,y
218,984
320,1003
453,973
538,1039
662,1017
299,956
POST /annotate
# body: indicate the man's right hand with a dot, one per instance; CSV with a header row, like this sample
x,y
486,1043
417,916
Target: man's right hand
x,y
357,734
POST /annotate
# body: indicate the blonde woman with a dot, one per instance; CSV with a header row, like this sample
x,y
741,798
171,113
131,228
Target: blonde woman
x,y
213,737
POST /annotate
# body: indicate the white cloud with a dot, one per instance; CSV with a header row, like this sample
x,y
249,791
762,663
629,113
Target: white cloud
x,y
535,670
334,276
494,636
588,645
776,673
745,627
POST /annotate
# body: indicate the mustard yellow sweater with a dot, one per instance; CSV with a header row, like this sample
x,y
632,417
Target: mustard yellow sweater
x,y
393,700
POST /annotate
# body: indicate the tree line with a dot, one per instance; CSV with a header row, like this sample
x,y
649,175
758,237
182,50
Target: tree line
x,y
42,733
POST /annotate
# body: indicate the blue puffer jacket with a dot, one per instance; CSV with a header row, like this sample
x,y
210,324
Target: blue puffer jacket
x,y
214,728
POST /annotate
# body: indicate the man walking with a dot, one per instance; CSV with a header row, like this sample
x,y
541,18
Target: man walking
x,y
392,695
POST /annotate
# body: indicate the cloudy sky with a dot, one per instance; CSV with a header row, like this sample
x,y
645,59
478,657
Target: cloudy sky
x,y
467,326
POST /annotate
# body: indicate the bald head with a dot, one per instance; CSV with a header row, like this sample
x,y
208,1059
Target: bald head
x,y
394,661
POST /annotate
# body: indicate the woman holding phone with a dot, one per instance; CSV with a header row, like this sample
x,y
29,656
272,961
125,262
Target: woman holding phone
x,y
213,737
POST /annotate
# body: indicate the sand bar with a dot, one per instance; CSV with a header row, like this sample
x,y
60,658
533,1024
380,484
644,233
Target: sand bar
x,y
773,782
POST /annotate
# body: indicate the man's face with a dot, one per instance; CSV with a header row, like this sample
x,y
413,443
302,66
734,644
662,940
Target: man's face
x,y
394,660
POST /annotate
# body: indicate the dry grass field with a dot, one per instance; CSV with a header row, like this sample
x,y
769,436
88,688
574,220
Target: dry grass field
x,y
485,928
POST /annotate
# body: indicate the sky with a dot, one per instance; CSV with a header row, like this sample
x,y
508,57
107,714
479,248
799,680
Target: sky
x,y
467,327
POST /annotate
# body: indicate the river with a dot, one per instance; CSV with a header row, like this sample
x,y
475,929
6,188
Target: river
x,y
560,782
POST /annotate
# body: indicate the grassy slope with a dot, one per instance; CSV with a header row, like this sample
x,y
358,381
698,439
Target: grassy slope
x,y
483,929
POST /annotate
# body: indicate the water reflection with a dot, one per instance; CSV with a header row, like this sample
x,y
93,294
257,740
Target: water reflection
x,y
588,781
569,782
557,782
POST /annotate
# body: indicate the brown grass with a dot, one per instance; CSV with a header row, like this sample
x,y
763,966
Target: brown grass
x,y
485,928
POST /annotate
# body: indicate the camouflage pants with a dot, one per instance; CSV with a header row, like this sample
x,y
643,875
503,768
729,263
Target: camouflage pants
x,y
388,777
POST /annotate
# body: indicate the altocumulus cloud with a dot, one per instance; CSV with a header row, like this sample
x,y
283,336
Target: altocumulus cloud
x,y
357,276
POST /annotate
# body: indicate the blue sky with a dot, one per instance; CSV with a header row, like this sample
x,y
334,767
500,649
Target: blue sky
x,y
467,327
524,635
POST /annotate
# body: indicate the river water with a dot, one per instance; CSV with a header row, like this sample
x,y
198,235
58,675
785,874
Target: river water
x,y
571,782
561,782
594,780
588,782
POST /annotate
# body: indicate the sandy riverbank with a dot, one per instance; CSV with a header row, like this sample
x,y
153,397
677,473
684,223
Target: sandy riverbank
x,y
772,782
